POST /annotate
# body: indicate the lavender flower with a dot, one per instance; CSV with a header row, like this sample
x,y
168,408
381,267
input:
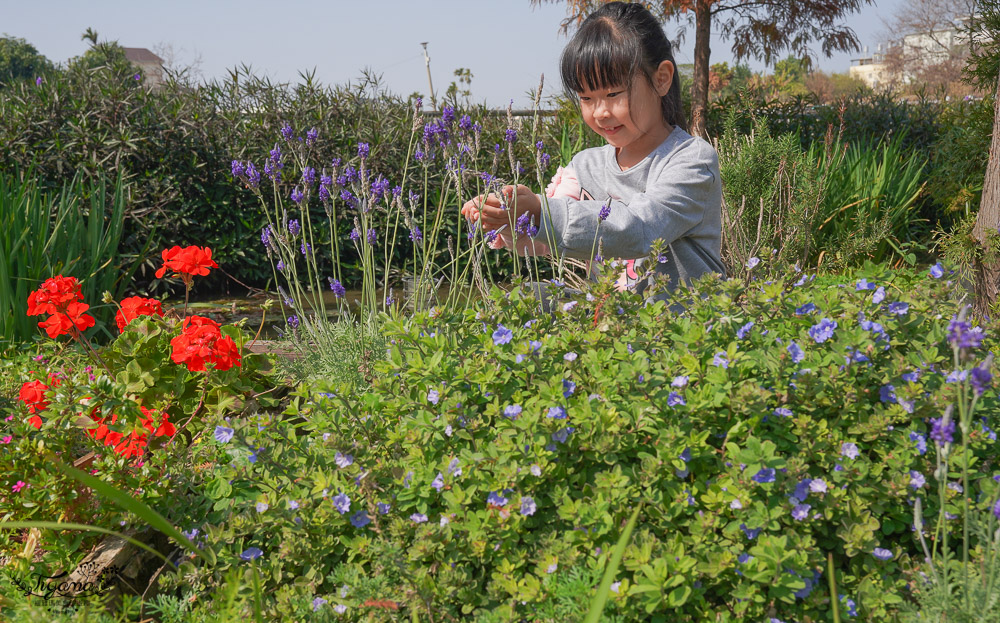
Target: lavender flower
x,y
510,135
962,335
416,235
355,234
372,237
253,175
942,432
287,132
363,150
293,225
605,212
265,236
338,288
979,378
311,136
238,169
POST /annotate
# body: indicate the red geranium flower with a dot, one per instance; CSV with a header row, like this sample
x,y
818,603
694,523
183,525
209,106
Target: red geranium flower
x,y
135,306
201,342
32,394
187,262
159,429
74,317
54,295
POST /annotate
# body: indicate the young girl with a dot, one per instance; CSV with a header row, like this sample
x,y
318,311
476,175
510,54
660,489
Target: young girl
x,y
652,180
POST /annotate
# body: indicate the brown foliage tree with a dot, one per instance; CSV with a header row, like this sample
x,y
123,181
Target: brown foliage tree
x,y
760,29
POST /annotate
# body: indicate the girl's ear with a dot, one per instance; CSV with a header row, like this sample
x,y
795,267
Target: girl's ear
x,y
664,77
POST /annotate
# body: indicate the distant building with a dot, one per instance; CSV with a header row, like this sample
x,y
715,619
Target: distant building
x,y
150,64
870,69
906,57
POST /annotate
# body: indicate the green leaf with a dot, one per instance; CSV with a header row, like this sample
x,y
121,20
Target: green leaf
x,y
597,605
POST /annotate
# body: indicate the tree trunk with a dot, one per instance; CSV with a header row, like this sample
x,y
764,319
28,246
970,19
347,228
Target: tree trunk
x,y
987,286
699,81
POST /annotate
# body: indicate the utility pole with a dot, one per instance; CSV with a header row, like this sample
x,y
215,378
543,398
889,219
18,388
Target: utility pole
x,y
427,62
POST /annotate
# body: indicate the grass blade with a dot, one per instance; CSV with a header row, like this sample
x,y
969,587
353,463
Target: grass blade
x,y
57,525
597,605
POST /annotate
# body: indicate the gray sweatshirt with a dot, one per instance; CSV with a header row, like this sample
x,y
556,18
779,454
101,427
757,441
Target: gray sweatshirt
x,y
675,193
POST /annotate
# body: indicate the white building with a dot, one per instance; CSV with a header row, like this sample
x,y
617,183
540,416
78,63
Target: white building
x,y
150,64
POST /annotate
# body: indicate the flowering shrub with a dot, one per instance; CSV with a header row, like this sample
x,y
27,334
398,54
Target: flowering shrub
x,y
136,405
490,469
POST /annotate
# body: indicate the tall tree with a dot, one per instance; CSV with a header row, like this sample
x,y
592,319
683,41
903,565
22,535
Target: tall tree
x,y
761,29
983,71
19,60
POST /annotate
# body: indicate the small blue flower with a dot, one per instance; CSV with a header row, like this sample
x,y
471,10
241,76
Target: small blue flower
x,y
674,399
805,309
744,330
223,434
251,553
899,308
823,331
783,412
512,411
502,335
319,601
863,284
887,393
921,442
438,483
570,356
765,474
802,490
878,296
343,460
496,499
528,506
937,271
342,503
261,506
384,508
882,553
562,434
557,413
568,388
796,352
849,449
679,381
750,533
818,485
432,396
752,262
917,479
720,361
418,518
800,512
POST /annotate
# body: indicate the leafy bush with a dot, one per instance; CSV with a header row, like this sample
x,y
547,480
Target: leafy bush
x,y
489,470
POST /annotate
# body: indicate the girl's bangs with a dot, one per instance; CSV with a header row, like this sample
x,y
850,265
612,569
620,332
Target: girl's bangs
x,y
598,59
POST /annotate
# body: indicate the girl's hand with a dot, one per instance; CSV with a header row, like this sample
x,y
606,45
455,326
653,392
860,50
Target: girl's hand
x,y
495,211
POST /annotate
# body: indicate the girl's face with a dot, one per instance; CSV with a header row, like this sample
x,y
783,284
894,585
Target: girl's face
x,y
632,123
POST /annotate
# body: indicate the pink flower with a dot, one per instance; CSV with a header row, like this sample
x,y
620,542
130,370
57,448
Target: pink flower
x,y
564,184
6,439
20,485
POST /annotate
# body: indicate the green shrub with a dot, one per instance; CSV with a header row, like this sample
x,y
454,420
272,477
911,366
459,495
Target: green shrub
x,y
525,440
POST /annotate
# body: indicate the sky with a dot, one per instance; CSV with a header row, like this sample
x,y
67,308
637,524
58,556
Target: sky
x,y
506,44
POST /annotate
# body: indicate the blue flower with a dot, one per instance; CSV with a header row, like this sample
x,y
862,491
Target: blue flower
x,y
319,601
823,331
562,434
802,490
570,356
454,468
796,352
882,554
223,434
921,442
720,361
744,330
849,449
750,533
502,335
557,413
674,399
569,306
863,284
752,262
800,512
887,393
899,308
911,377
496,499
850,605
384,508
528,506
679,381
878,296
766,474
512,411
783,412
941,432
568,388
432,396
251,553
936,271
818,485
342,503
917,479
438,483
605,212
418,518
338,288
261,506
805,309
534,345
343,460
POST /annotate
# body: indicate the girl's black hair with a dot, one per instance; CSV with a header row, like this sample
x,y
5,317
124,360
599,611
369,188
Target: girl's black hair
x,y
617,42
